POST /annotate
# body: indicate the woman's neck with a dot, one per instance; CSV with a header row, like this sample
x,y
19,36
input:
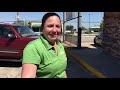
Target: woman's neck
x,y
55,47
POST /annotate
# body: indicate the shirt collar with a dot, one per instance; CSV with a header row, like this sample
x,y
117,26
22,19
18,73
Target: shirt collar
x,y
47,44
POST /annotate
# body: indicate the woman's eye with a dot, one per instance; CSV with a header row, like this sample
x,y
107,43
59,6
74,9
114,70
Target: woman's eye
x,y
50,25
58,26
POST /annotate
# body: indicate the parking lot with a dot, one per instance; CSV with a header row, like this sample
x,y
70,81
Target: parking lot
x,y
13,69
10,70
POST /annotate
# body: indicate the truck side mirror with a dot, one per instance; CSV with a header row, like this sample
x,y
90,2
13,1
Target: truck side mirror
x,y
11,34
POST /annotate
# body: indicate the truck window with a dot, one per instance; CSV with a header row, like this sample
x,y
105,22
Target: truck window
x,y
4,30
24,31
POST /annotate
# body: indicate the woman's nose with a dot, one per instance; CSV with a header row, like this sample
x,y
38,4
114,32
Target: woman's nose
x,y
54,29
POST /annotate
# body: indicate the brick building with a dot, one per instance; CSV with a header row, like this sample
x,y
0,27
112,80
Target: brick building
x,y
111,37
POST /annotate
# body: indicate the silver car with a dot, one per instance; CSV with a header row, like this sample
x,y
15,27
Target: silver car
x,y
98,39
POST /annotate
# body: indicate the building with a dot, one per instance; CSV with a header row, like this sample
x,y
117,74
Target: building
x,y
111,37
95,28
35,26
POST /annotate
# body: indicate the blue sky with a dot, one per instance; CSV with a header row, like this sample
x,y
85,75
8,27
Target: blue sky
x,y
95,17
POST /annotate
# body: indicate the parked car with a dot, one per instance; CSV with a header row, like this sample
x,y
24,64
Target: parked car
x,y
98,39
85,31
13,39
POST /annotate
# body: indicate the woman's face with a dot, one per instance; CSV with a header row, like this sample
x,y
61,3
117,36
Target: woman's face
x,y
52,28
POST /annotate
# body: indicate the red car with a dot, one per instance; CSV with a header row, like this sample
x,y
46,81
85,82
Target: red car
x,y
13,39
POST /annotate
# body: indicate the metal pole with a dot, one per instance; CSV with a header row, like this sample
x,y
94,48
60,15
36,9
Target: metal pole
x,y
24,23
79,30
89,23
64,25
17,17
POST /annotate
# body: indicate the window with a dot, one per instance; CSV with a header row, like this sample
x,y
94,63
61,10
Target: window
x,y
4,30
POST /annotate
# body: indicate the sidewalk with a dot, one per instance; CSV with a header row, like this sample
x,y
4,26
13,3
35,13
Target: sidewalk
x,y
94,59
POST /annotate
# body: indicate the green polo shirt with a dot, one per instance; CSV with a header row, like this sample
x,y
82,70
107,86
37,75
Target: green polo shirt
x,y
41,53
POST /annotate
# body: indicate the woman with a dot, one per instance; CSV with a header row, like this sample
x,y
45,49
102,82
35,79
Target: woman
x,y
45,57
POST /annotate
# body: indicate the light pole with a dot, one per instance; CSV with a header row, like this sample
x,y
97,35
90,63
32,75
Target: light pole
x,y
64,25
17,17
89,22
79,30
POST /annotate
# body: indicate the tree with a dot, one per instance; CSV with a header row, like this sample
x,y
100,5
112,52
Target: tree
x,y
83,28
69,27
29,24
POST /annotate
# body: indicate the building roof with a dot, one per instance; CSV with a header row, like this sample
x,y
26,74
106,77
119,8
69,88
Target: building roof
x,y
95,27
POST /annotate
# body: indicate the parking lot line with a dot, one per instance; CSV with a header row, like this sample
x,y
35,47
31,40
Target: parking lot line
x,y
87,66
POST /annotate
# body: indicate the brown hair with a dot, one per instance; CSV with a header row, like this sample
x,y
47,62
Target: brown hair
x,y
45,17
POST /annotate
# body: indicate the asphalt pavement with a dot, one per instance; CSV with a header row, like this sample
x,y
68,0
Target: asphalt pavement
x,y
95,60
75,70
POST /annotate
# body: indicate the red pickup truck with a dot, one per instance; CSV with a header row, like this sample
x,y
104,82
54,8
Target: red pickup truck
x,y
13,39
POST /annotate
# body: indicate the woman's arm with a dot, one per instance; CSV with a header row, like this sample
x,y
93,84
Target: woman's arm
x,y
65,75
29,71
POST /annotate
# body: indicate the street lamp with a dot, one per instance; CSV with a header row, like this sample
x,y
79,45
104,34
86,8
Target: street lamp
x,y
79,30
64,25
89,22
17,17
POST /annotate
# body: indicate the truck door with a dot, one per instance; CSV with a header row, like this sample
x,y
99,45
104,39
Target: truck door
x,y
8,47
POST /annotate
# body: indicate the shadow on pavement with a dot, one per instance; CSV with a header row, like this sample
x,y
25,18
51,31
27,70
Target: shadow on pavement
x,y
103,62
10,64
97,46
76,48
93,45
75,70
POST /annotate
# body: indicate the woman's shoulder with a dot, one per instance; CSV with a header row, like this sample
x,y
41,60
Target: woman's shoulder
x,y
34,42
34,45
